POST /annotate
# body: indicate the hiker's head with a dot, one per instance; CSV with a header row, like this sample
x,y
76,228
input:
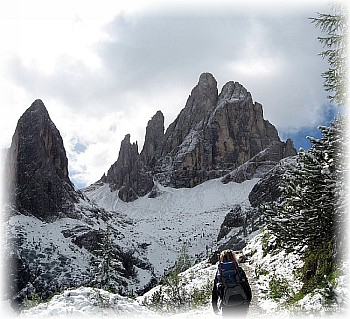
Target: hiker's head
x,y
227,255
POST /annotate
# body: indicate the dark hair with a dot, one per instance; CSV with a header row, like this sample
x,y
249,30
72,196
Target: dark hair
x,y
227,255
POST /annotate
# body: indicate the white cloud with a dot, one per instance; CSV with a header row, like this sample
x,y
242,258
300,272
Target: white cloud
x,y
104,70
255,67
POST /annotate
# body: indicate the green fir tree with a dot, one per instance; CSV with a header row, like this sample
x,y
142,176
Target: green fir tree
x,y
335,25
310,210
107,265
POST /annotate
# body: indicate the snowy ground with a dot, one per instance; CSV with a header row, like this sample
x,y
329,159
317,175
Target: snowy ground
x,y
153,230
90,303
261,268
52,241
280,268
156,229
96,303
177,217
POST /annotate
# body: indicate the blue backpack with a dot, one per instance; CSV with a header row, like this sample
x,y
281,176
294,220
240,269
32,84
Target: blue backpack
x,y
229,284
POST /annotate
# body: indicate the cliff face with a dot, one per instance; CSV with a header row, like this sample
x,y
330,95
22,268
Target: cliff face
x,y
213,135
37,166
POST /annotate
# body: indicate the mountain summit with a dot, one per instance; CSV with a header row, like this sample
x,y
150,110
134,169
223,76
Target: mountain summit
x,y
213,135
38,166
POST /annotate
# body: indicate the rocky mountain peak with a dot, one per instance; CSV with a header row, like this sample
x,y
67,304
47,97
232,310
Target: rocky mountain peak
x,y
38,166
38,108
207,83
233,91
212,135
204,92
200,103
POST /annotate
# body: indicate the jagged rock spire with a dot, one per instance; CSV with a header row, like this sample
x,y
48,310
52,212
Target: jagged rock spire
x,y
153,139
37,166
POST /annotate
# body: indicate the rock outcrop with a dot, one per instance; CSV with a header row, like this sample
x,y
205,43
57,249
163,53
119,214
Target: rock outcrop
x,y
267,189
37,167
211,137
262,163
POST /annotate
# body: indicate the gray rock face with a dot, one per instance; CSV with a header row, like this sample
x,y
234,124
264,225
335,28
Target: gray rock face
x,y
267,190
237,225
37,166
235,218
213,135
262,163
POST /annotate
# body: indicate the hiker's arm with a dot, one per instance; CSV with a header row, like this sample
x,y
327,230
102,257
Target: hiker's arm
x,y
215,297
249,291
246,285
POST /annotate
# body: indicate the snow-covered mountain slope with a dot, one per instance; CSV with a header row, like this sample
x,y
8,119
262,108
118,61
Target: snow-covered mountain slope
x,y
147,236
158,227
49,256
273,276
152,228
53,249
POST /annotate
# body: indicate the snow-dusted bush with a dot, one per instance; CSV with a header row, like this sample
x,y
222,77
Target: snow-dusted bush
x,y
183,291
88,302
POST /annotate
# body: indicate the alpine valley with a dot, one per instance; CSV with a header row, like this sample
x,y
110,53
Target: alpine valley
x,y
194,187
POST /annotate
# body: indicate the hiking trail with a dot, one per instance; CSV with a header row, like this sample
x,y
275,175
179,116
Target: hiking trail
x,y
254,308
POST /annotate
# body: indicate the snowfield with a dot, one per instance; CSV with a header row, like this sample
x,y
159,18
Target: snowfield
x,y
176,217
87,302
96,303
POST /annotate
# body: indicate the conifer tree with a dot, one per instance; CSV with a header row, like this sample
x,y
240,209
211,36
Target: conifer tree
x,y
184,261
107,266
311,208
335,25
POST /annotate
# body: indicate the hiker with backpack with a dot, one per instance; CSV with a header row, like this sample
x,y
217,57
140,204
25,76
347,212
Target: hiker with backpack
x,y
231,287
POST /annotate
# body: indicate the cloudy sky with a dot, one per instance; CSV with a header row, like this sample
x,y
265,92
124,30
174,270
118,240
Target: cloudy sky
x,y
103,68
